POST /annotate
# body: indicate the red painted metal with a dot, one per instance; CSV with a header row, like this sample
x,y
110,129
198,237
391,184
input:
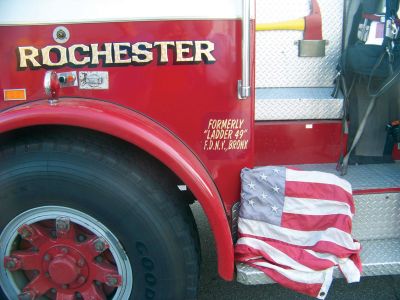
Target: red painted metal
x,y
62,264
291,142
146,134
181,97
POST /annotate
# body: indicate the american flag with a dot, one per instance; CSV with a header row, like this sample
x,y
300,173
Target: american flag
x,y
295,226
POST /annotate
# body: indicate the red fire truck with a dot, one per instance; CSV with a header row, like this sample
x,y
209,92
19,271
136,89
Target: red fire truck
x,y
115,116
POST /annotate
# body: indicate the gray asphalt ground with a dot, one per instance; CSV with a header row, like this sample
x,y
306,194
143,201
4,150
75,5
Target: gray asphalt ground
x,y
212,287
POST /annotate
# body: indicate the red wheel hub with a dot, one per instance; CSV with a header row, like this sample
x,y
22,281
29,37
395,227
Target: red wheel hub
x,y
63,270
64,261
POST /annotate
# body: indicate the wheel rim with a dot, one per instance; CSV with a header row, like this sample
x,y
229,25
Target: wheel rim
x,y
62,253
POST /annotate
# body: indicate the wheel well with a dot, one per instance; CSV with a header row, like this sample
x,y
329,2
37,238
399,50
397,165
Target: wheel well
x,y
89,150
164,176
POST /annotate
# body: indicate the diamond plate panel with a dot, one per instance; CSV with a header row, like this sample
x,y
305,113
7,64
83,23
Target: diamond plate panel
x,y
297,104
278,64
379,257
377,216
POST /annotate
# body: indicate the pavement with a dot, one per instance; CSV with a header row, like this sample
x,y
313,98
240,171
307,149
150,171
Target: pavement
x,y
213,287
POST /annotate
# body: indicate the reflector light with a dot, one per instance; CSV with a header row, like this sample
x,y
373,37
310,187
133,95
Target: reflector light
x,y
14,94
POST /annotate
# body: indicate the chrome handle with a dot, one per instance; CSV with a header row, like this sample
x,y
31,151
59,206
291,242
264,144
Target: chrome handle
x,y
244,83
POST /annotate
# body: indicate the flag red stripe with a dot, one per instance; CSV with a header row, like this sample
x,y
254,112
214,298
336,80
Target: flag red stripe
x,y
297,254
320,191
321,246
316,223
303,288
246,252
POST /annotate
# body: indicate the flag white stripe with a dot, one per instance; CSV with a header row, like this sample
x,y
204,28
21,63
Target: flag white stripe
x,y
323,292
316,277
327,256
278,256
317,177
346,265
315,207
297,237
313,277
349,270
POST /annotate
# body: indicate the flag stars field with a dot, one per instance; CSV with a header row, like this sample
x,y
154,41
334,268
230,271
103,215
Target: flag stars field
x,y
252,185
251,202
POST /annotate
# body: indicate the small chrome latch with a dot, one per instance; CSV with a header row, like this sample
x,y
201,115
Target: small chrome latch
x,y
243,91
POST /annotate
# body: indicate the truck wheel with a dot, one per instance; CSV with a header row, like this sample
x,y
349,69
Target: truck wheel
x,y
79,220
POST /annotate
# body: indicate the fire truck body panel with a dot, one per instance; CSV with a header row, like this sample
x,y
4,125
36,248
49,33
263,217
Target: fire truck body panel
x,y
143,87
166,87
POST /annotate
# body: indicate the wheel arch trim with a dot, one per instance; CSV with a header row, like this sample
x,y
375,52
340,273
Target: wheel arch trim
x,y
145,133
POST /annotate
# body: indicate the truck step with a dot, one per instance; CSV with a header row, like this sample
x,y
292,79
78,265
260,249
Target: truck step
x,y
379,257
364,178
297,104
376,223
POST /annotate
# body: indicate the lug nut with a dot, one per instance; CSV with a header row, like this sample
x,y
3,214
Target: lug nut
x,y
62,225
25,231
98,283
27,295
81,238
81,279
47,257
12,263
113,280
81,262
100,245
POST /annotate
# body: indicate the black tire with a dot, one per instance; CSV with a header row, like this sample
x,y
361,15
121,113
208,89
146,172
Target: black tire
x,y
123,188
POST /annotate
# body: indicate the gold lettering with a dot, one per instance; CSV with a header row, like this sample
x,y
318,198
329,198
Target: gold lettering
x,y
28,53
163,50
182,49
204,48
142,56
106,52
118,53
62,59
121,53
72,57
